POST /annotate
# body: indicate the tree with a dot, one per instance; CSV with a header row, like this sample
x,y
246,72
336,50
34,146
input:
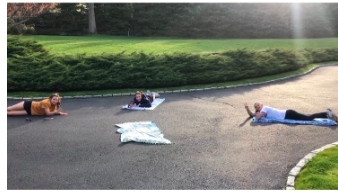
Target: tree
x,y
18,13
92,23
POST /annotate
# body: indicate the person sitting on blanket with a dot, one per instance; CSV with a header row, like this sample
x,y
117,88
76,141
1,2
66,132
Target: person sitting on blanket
x,y
269,112
142,100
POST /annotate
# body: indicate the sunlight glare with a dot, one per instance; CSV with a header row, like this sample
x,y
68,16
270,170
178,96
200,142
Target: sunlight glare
x,y
297,27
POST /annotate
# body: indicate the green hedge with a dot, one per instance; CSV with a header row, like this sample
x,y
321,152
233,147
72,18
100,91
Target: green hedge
x,y
31,68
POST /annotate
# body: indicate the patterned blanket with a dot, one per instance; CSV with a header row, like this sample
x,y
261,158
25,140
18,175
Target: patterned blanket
x,y
154,104
318,121
145,132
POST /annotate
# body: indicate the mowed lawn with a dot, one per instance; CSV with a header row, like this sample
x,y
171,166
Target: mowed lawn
x,y
321,172
93,45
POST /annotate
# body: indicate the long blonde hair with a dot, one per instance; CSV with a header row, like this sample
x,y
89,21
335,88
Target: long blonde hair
x,y
58,104
140,92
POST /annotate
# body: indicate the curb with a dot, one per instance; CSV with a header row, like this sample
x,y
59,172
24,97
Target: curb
x,y
174,91
290,183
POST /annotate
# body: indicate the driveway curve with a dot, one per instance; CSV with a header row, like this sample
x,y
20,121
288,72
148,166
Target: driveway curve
x,y
216,145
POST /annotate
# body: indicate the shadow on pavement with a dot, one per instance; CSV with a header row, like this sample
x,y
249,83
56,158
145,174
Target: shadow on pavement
x,y
132,143
245,121
18,121
125,111
289,125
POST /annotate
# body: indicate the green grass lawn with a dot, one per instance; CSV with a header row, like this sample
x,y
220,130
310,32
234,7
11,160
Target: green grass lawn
x,y
321,172
92,45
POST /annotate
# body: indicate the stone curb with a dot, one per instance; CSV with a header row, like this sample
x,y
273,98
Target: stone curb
x,y
290,183
174,91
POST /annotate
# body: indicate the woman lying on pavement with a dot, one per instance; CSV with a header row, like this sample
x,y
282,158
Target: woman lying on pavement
x,y
142,100
266,111
50,106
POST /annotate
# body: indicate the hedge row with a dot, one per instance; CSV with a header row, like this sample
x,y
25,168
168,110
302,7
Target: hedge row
x,y
31,68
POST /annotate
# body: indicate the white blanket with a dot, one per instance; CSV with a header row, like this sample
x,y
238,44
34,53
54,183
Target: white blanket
x,y
145,132
154,104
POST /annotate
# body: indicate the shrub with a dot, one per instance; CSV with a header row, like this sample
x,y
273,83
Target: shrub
x,y
30,67
29,30
17,46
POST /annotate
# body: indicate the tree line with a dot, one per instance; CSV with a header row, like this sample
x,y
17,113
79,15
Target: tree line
x,y
190,20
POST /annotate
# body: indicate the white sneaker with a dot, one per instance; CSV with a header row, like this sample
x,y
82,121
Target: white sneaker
x,y
332,115
329,113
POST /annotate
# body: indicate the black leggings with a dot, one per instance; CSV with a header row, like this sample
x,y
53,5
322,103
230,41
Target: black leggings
x,y
150,97
292,114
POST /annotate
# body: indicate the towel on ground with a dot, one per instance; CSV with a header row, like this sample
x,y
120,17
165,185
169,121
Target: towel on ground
x,y
317,121
144,131
154,104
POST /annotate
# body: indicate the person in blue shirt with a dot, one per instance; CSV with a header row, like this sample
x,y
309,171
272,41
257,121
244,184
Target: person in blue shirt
x,y
142,100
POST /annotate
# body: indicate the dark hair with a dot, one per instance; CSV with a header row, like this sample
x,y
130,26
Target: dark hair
x,y
142,94
58,104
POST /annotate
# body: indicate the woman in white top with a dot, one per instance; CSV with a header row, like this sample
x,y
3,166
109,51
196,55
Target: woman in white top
x,y
266,111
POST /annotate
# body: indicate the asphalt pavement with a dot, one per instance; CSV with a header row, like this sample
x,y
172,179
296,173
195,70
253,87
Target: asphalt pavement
x,y
216,145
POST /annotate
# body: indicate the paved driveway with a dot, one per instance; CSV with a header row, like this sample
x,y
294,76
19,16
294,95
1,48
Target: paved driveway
x,y
217,146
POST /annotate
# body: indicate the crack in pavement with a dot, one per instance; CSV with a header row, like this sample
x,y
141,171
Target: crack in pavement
x,y
225,103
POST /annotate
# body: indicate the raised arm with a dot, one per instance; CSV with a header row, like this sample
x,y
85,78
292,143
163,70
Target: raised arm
x,y
131,104
257,114
248,110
